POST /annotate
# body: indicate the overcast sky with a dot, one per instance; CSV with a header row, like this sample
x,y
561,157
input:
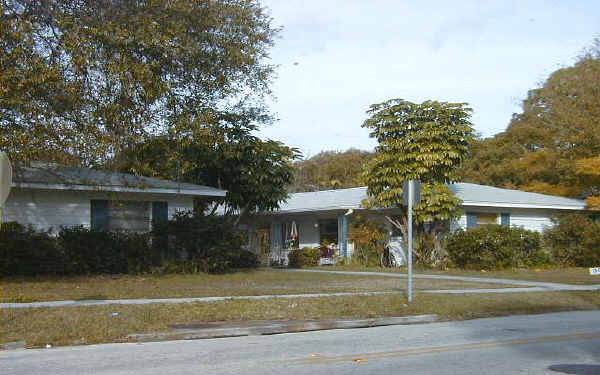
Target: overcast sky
x,y
336,57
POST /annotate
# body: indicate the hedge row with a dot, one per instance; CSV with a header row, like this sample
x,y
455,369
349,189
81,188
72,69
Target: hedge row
x,y
186,244
573,241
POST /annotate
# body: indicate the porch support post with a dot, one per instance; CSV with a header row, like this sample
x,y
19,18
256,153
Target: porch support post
x,y
343,235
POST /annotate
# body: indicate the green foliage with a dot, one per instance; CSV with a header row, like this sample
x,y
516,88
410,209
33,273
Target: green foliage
x,y
494,247
330,170
196,243
75,251
82,80
425,142
26,252
186,244
438,203
574,240
304,257
553,146
87,251
367,237
254,172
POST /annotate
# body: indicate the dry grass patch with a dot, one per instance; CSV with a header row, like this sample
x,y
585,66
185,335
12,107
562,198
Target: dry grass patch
x,y
258,282
96,324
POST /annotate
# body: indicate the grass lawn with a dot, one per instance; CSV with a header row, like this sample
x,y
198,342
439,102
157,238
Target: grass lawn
x,y
257,282
96,324
575,276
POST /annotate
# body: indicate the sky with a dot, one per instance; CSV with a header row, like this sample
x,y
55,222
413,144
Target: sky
x,y
337,57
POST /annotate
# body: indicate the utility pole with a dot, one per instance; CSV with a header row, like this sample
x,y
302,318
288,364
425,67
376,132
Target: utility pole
x,y
410,238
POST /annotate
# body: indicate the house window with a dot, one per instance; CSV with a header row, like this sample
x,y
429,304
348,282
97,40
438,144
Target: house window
x,y
328,231
120,215
487,218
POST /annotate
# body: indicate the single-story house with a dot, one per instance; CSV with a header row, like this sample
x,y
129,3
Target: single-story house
x,y
48,197
309,219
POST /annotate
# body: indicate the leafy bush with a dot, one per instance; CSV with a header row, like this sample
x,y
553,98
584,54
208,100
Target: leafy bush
x,y
26,252
492,247
306,256
574,240
186,244
88,251
367,237
193,243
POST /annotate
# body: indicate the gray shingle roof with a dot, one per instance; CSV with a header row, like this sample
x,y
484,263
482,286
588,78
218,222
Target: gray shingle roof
x,y
483,195
470,194
63,178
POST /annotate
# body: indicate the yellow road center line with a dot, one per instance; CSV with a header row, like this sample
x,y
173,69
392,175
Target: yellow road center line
x,y
440,349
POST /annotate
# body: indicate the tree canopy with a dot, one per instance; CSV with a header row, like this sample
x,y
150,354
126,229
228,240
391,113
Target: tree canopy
x,y
425,142
83,80
254,172
553,146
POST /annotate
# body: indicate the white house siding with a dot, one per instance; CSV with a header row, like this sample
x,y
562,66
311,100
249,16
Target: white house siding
x,y
47,209
51,209
528,218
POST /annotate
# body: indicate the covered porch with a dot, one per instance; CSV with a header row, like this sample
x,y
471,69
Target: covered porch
x,y
326,230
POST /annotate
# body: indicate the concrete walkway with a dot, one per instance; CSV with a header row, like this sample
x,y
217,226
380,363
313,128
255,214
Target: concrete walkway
x,y
544,285
525,287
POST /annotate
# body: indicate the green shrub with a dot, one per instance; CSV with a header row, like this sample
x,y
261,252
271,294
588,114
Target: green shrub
x,y
367,237
89,251
201,244
574,240
245,259
493,247
304,257
26,252
186,244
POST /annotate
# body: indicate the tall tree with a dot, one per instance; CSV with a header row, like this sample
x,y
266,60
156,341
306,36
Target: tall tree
x,y
550,147
426,142
82,80
254,172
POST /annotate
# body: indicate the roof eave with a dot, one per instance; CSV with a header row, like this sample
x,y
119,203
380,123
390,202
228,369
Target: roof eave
x,y
519,205
120,189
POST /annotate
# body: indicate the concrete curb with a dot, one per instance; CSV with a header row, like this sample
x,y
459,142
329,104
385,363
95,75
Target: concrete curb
x,y
14,345
257,328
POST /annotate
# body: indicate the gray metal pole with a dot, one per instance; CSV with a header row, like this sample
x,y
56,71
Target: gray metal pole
x,y
410,239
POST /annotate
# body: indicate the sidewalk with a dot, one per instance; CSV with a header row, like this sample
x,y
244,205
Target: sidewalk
x,y
532,286
526,287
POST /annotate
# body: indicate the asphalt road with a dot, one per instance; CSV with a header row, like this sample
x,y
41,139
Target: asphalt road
x,y
563,343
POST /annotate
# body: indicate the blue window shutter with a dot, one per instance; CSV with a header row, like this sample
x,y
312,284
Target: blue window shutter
x,y
160,211
471,219
505,220
99,210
